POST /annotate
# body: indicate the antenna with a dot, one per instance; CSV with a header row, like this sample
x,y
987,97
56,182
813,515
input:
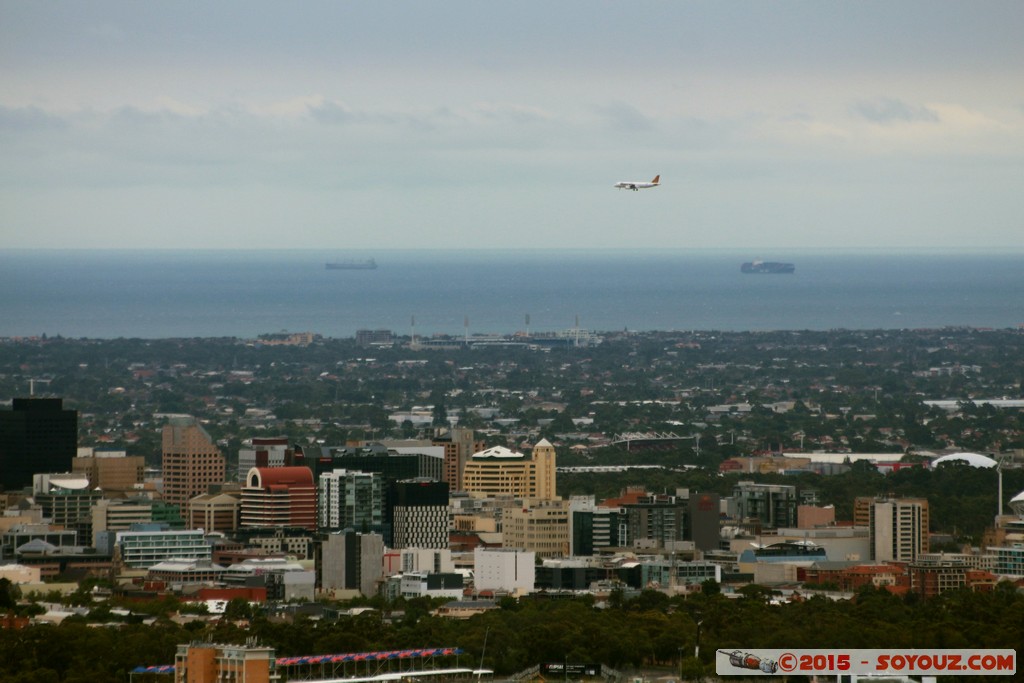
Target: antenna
x,y
480,669
527,325
999,501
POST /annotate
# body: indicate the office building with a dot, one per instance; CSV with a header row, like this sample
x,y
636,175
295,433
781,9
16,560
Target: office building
x,y
109,470
141,547
897,527
392,463
273,452
499,471
119,515
37,435
705,520
504,569
764,505
459,446
417,511
657,521
350,562
67,501
279,497
191,461
599,529
214,512
351,500
541,527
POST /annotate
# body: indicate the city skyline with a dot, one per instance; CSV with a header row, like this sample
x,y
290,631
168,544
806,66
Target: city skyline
x,y
355,125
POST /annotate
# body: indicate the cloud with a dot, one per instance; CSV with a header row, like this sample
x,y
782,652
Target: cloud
x,y
888,110
622,116
514,113
24,119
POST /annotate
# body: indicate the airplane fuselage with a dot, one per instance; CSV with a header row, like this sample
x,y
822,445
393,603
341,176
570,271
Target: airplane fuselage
x,y
638,184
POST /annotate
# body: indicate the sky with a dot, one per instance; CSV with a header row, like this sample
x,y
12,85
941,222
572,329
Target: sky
x,y
465,124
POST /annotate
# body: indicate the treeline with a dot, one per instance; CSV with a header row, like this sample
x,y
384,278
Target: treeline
x,y
649,631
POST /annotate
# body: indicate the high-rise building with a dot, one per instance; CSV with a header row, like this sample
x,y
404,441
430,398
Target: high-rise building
x,y
37,435
67,501
418,514
279,497
504,569
599,529
110,470
764,505
897,527
119,515
351,500
459,446
499,471
273,452
392,463
540,526
704,527
214,512
350,561
657,521
191,461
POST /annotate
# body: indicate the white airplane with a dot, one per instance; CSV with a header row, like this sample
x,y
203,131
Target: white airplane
x,y
638,185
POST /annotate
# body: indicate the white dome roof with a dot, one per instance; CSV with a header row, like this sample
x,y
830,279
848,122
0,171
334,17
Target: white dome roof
x,y
498,452
972,459
71,483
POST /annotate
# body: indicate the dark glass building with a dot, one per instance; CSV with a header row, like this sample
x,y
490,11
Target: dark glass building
x,y
37,436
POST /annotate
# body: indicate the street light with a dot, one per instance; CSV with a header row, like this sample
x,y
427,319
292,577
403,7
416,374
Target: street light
x,y
696,647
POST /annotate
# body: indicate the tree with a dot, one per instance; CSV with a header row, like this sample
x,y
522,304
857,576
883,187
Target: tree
x,y
9,594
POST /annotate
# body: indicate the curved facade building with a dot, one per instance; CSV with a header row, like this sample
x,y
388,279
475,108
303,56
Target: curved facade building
x,y
279,497
500,471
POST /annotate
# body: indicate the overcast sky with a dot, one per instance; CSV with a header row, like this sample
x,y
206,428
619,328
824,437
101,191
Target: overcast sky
x,y
480,124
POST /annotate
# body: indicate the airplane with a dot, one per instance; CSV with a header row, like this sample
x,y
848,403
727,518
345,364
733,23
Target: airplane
x,y
638,185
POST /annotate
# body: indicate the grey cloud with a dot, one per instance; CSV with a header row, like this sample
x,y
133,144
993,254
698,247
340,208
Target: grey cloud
x,y
622,116
23,119
332,113
888,110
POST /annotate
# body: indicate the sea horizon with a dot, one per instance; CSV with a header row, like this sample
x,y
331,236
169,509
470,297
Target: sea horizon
x,y
162,293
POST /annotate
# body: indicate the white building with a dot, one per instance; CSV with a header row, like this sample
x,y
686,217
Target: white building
x,y
285,579
428,560
425,584
504,569
143,549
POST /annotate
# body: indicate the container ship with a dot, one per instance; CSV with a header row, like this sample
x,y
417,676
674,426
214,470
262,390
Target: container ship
x,y
767,267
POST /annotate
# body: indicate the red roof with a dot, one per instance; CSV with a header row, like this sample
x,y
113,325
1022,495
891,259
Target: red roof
x,y
285,476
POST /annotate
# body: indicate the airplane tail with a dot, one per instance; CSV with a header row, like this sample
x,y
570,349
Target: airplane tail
x,y
657,180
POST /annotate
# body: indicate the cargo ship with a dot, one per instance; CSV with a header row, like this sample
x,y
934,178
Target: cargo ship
x,y
368,264
767,267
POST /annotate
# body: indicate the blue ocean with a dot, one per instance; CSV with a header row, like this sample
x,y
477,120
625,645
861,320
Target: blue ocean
x,y
157,294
